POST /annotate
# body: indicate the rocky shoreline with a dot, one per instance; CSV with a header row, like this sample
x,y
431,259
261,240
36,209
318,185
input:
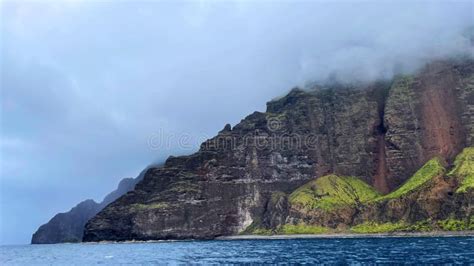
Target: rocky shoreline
x,y
304,236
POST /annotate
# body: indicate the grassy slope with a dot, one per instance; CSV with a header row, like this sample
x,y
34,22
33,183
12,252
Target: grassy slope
x,y
430,170
290,229
464,169
330,192
449,224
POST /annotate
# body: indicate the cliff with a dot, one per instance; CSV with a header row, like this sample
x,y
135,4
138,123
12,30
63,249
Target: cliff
x,y
69,226
66,227
353,136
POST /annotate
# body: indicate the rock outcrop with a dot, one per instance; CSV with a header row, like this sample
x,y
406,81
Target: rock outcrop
x,y
380,133
69,226
66,227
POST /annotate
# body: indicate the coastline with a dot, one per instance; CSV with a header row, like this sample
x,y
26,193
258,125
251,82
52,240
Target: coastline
x,y
351,235
296,236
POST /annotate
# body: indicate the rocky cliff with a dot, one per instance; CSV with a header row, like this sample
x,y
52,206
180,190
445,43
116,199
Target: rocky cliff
x,y
69,226
379,134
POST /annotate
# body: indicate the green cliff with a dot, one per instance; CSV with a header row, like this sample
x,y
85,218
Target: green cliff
x,y
332,196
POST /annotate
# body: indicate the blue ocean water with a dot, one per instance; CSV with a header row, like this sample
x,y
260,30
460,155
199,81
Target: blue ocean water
x,y
431,250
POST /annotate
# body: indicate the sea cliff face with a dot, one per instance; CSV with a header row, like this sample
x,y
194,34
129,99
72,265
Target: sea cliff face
x,y
245,179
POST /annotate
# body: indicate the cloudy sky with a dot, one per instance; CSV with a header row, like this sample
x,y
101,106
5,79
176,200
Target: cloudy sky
x,y
94,91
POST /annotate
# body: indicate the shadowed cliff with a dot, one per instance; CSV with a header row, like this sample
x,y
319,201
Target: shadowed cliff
x,y
69,226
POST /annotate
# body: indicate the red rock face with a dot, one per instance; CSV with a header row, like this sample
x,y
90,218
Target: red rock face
x,y
442,130
427,115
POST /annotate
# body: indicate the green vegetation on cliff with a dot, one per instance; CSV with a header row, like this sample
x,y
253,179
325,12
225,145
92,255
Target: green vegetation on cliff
x,y
374,228
400,226
464,169
330,192
302,228
431,169
449,224
456,225
288,229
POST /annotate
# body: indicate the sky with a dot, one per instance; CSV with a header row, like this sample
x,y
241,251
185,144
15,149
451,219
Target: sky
x,y
94,91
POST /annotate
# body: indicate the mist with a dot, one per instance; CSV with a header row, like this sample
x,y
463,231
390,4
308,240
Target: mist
x,y
85,84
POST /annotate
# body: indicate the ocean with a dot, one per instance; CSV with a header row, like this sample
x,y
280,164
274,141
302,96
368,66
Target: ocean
x,y
413,250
